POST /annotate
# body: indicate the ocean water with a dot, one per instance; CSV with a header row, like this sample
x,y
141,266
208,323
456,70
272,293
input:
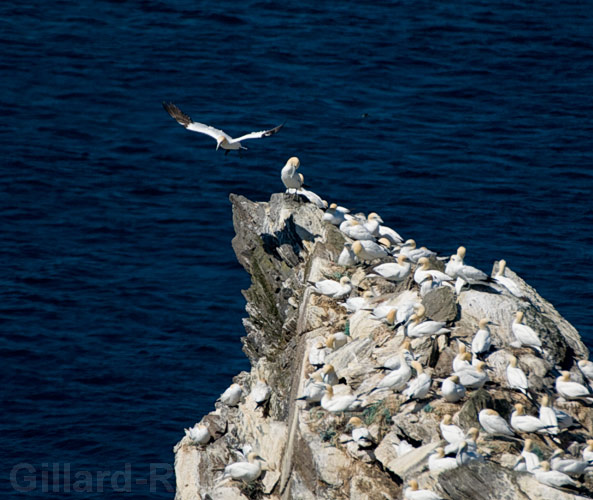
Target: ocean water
x,y
463,122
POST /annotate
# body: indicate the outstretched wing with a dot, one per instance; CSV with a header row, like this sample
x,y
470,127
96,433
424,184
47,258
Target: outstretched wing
x,y
258,135
189,124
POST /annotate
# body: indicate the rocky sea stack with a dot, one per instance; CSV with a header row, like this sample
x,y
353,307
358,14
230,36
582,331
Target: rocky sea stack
x,y
310,453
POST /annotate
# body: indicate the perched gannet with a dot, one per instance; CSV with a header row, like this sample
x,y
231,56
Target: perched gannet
x,y
334,289
553,478
368,250
525,334
508,283
493,423
409,250
466,455
438,462
398,378
531,459
451,433
482,340
428,284
452,390
317,355
391,235
473,377
261,393
347,257
394,271
360,434
455,262
232,395
418,387
314,389
569,466
338,403
223,140
465,274
470,439
588,452
403,356
424,270
525,423
329,376
572,390
335,214
462,359
418,328
245,471
355,230
586,368
290,178
353,304
199,434
400,315
372,224
336,340
548,416
516,377
413,493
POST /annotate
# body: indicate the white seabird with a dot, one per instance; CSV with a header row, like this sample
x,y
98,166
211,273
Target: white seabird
x,y
223,140
260,393
525,334
493,423
367,250
403,356
396,379
531,459
335,214
329,375
438,462
471,436
360,434
548,416
354,304
586,368
452,390
413,493
572,390
291,179
317,355
506,282
199,434
232,395
418,328
473,377
451,433
462,359
466,455
347,257
455,262
338,403
314,389
525,423
418,387
569,466
372,224
247,471
355,230
394,271
588,452
482,340
336,340
516,377
334,289
424,270
553,478
409,250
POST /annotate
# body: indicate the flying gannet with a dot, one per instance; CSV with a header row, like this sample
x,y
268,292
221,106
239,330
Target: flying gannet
x,y
223,140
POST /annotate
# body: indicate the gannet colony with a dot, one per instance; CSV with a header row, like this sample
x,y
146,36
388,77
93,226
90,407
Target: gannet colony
x,y
382,370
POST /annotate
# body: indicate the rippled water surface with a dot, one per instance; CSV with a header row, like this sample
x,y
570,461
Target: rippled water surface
x,y
460,123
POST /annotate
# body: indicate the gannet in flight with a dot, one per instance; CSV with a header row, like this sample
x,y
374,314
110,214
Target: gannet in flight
x,y
223,140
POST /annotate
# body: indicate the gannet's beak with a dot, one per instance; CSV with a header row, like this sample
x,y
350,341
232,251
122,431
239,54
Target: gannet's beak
x,y
217,146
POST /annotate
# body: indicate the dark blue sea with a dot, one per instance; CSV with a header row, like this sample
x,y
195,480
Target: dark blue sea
x,y
459,122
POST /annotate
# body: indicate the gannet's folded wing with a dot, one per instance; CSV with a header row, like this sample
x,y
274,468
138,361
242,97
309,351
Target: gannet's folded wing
x,y
258,135
189,124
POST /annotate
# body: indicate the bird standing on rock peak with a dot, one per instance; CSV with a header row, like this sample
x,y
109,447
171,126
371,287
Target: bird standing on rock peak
x,y
291,179
223,140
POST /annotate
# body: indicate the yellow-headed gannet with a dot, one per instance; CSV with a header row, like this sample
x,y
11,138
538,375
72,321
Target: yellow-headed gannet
x,y
232,395
223,140
372,224
569,466
419,328
462,359
355,230
329,375
414,254
335,214
334,289
424,270
473,377
314,389
394,271
588,452
396,379
572,390
452,390
317,355
438,462
516,377
260,393
339,402
413,493
506,282
360,434
199,434
418,387
347,257
525,334
466,454
247,471
291,179
403,356
354,304
553,478
451,433
471,437
493,423
548,416
336,340
367,250
455,262
482,340
525,423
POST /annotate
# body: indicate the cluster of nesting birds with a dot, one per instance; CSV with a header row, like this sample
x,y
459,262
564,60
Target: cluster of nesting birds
x,y
382,253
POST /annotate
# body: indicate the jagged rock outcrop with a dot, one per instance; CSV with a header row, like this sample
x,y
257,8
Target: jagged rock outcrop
x,y
284,244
